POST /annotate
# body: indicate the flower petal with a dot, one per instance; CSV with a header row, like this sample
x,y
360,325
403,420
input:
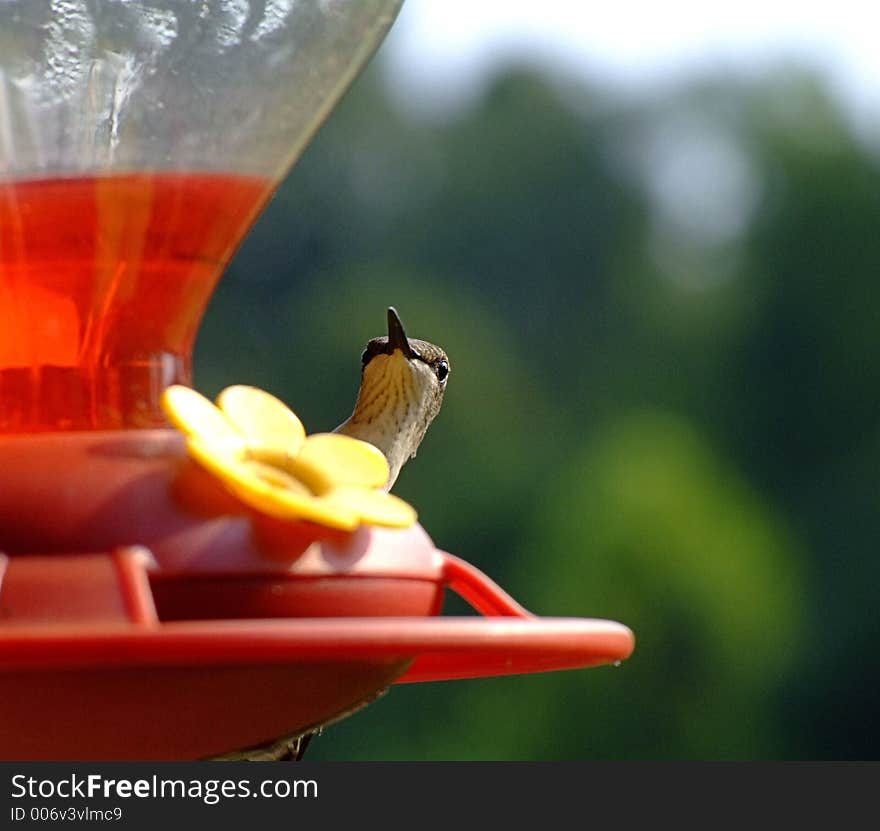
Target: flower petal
x,y
195,415
269,490
372,506
276,477
218,459
286,505
328,460
258,449
265,421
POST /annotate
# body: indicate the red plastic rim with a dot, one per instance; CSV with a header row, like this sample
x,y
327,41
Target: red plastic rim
x,y
444,648
82,634
509,640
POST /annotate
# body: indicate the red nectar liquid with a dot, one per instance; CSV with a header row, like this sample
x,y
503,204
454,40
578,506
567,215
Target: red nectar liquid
x,y
103,284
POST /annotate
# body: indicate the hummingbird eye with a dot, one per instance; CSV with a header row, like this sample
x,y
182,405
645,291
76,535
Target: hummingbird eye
x,y
442,370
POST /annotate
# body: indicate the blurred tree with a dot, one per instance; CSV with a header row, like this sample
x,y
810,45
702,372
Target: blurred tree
x,y
648,524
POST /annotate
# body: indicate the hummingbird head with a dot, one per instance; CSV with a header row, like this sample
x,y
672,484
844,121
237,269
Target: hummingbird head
x,y
402,385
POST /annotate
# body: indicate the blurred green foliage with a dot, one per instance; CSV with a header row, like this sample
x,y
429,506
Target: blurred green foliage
x,y
663,326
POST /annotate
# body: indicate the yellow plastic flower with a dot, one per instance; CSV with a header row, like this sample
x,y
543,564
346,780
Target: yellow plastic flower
x,y
259,449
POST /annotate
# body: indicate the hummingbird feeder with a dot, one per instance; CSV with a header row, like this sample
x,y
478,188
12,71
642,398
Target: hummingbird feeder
x,y
145,611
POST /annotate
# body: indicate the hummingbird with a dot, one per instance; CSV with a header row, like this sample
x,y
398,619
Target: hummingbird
x,y
402,385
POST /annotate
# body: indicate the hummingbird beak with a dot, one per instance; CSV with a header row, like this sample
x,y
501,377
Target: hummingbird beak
x,y
397,338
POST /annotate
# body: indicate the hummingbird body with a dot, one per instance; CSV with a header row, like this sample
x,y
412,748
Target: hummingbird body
x,y
402,385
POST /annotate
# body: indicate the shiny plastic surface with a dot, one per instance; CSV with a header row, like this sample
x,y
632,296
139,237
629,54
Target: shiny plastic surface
x,y
145,613
109,680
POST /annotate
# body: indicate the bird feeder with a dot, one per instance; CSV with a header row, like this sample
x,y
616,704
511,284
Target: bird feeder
x,y
144,612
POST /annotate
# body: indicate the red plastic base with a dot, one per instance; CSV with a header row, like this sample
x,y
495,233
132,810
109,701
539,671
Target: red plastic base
x,y
202,629
188,691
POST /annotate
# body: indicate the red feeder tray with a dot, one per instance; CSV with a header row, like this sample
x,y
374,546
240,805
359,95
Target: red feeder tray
x,y
219,630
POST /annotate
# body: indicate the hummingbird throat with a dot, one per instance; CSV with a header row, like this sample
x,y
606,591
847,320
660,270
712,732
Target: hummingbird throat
x,y
394,407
